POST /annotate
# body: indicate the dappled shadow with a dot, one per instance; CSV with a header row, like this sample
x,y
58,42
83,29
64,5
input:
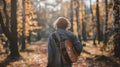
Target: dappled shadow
x,y
8,60
107,60
101,61
27,50
87,52
1,53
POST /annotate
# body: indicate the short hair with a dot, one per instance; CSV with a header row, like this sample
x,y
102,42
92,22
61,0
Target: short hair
x,y
62,23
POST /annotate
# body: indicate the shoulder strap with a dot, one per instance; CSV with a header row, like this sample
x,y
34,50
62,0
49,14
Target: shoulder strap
x,y
56,38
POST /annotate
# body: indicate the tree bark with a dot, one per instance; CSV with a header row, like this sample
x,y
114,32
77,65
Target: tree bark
x,y
105,24
14,39
77,18
83,23
98,22
116,13
71,15
23,46
93,24
84,30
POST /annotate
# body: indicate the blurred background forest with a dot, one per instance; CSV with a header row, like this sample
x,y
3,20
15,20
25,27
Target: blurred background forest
x,y
25,22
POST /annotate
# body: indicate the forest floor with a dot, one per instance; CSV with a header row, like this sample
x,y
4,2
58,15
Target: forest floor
x,y
36,56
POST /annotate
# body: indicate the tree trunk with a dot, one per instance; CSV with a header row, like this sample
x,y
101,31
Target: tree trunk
x,y
84,30
29,37
105,24
23,47
77,18
116,12
14,39
84,23
14,50
93,24
98,22
71,15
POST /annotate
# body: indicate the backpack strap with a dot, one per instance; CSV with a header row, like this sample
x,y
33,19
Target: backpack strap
x,y
56,38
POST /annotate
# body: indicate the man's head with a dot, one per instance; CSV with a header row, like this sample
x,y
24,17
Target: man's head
x,y
62,23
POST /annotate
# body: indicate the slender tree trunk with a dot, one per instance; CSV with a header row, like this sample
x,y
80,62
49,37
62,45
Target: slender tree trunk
x,y
105,23
93,24
23,47
77,18
6,15
98,21
29,38
84,24
71,14
4,25
84,30
116,13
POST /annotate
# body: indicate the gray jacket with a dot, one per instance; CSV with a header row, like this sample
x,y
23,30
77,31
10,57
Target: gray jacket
x,y
55,58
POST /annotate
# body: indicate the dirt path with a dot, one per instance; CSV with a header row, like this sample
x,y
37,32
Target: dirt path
x,y
36,56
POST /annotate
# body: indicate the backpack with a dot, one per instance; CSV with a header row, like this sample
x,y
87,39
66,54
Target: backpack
x,y
66,48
